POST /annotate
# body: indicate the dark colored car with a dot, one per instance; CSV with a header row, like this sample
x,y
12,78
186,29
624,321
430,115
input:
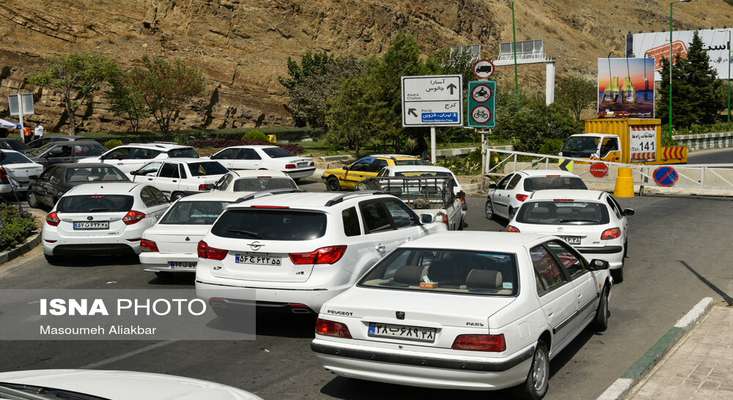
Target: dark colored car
x,y
51,139
13,144
59,178
65,152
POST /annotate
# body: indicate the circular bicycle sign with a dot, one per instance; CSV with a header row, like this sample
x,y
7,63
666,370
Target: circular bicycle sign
x,y
483,69
481,114
481,93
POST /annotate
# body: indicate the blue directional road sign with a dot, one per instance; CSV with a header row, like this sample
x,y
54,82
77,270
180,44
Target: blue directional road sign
x,y
435,100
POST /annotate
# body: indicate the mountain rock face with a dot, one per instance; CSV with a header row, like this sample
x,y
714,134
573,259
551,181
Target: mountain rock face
x,y
242,45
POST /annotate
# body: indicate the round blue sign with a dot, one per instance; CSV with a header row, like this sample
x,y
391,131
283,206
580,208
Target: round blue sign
x,y
665,176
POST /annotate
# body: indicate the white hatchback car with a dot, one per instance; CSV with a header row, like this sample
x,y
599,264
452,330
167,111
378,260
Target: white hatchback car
x,y
592,221
297,250
179,177
101,218
132,156
269,157
464,310
170,245
16,166
506,196
255,181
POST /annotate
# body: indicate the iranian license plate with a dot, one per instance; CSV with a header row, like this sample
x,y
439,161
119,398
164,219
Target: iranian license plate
x,y
303,164
416,333
91,225
182,264
257,259
572,239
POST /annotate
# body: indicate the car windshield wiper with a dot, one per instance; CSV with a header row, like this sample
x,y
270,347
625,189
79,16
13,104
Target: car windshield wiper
x,y
251,234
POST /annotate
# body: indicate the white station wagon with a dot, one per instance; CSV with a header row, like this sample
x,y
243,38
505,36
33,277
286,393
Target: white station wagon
x,y
464,310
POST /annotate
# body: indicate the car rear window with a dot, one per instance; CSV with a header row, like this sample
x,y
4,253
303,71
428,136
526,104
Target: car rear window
x,y
207,168
553,182
95,203
563,212
276,152
410,162
193,213
446,271
267,224
188,152
261,183
95,174
13,158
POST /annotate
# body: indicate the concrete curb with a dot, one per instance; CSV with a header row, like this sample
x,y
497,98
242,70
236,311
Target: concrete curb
x,y
31,242
621,387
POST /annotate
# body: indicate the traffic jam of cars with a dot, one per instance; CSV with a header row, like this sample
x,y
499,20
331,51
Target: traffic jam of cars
x,y
402,293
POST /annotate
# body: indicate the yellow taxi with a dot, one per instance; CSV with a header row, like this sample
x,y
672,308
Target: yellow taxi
x,y
349,176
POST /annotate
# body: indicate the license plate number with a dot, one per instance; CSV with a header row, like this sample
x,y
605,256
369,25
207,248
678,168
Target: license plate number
x,y
257,259
91,225
303,164
182,264
415,333
572,239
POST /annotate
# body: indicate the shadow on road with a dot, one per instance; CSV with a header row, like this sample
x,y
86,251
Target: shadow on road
x,y
173,278
355,389
94,261
285,324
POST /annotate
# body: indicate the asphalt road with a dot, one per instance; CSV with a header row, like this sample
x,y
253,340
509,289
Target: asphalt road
x,y
711,157
657,291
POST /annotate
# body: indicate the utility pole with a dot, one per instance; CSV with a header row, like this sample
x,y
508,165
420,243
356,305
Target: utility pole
x,y
671,61
514,50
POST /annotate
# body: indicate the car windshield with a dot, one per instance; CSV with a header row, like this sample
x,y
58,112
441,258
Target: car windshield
x,y
563,212
276,152
267,224
187,152
207,168
95,203
39,150
553,182
585,144
13,158
446,271
13,144
95,174
261,183
193,213
22,391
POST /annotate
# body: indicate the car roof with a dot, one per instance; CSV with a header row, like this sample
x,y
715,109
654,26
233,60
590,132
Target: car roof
x,y
164,147
76,142
594,134
253,173
406,168
216,195
545,172
252,146
185,160
307,200
575,194
395,156
84,165
504,242
103,188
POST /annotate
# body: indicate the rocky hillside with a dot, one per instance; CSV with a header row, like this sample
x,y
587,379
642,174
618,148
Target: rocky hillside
x,y
242,45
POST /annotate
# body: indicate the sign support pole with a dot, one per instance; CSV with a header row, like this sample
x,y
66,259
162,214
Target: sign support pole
x,y
433,150
483,156
20,116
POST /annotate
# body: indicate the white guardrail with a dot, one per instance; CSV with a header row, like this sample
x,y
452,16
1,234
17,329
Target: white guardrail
x,y
692,179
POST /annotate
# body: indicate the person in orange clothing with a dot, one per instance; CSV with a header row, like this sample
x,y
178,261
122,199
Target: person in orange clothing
x,y
27,134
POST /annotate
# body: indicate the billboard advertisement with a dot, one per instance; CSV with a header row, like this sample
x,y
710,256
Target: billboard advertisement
x,y
656,45
626,87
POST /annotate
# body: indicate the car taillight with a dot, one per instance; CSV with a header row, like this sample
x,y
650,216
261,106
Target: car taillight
x,y
325,327
290,166
521,196
512,228
204,186
148,245
324,255
53,219
443,217
612,233
494,343
3,175
212,253
133,217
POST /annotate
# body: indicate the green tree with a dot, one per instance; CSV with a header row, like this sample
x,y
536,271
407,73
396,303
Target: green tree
x,y
165,87
696,93
353,115
126,101
576,94
77,77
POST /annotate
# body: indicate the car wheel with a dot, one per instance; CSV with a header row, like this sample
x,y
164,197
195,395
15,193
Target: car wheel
x,y
600,323
32,200
535,387
53,260
176,195
617,275
332,184
489,209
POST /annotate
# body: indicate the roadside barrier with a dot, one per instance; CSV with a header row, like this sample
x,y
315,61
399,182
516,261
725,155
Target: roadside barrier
x,y
624,183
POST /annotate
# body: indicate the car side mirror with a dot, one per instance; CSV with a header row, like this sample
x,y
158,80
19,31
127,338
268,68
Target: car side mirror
x,y
628,212
426,218
492,185
345,167
598,265
136,172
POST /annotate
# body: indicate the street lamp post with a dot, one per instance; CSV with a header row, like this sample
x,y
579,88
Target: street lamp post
x,y
514,50
730,88
671,61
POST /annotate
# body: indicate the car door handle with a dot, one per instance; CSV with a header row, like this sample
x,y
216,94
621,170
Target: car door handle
x,y
174,181
150,179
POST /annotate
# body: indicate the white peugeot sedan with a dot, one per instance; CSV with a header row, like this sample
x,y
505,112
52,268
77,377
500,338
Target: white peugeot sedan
x,y
506,196
254,181
131,157
269,157
179,177
16,166
118,385
590,220
464,310
101,219
170,245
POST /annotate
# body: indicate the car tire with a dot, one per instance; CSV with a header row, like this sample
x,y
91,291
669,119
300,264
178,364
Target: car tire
x,y
600,322
176,195
489,210
53,260
538,378
32,200
617,275
332,184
